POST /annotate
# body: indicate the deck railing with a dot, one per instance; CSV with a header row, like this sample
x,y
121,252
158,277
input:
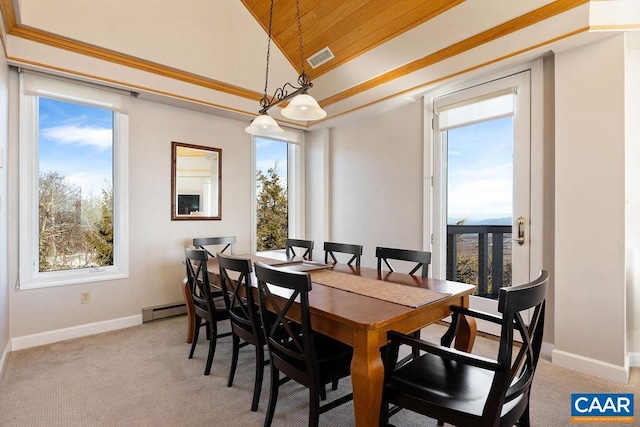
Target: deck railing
x,y
491,263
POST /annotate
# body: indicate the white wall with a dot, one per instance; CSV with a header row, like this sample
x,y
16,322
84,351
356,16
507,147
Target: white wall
x,y
590,297
632,168
4,284
375,170
317,189
156,242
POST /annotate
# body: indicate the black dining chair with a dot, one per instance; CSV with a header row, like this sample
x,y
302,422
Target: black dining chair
x,y
208,311
246,325
205,242
331,248
291,244
464,389
422,260
311,359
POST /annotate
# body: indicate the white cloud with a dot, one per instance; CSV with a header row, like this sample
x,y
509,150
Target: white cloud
x,y
100,138
89,183
481,197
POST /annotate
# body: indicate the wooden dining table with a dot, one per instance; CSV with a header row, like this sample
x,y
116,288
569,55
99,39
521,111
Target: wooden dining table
x,y
362,321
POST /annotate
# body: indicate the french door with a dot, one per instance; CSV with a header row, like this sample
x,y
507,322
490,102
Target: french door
x,y
482,187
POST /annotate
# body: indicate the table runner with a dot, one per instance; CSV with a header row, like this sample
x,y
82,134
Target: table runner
x,y
410,296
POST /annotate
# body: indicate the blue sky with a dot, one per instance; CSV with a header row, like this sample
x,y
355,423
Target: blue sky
x,y
480,165
77,141
268,152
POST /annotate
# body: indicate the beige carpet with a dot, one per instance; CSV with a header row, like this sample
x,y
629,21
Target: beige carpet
x,y
141,376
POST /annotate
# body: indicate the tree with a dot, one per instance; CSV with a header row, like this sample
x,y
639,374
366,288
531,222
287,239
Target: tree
x,y
100,235
59,221
272,223
74,231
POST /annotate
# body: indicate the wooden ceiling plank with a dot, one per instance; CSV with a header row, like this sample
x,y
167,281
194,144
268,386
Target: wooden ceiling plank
x,y
334,23
367,22
286,30
351,46
263,9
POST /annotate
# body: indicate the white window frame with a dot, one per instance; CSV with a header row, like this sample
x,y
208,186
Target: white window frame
x,y
32,85
295,182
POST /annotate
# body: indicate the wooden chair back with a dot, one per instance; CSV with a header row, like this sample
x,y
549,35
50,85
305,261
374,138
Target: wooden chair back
x,y
422,258
198,280
291,244
330,248
239,299
291,346
202,242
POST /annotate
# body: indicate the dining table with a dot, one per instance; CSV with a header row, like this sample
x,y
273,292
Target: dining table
x,y
359,305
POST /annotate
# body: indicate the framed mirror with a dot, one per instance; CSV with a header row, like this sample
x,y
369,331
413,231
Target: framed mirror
x,y
196,182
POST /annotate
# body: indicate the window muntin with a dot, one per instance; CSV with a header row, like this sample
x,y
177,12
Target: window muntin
x,y
73,210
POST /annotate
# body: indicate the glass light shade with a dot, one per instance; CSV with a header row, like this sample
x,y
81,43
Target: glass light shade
x,y
264,125
303,107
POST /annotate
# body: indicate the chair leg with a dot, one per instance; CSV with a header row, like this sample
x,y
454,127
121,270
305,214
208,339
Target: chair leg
x,y
323,392
234,359
314,405
196,333
257,386
334,385
415,351
212,346
273,396
524,418
384,414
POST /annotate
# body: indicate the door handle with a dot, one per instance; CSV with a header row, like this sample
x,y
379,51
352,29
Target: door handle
x,y
520,238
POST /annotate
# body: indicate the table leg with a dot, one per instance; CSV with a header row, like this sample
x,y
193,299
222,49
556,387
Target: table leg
x,y
367,376
466,334
189,301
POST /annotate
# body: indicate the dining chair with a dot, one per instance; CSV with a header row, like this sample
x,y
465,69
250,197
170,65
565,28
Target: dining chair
x,y
244,318
311,359
422,258
203,242
464,389
330,248
208,311
291,244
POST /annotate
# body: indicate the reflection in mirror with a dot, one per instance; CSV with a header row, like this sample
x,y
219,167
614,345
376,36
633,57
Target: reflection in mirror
x,y
196,182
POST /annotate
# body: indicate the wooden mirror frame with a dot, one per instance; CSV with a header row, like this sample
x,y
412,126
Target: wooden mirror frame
x,y
195,197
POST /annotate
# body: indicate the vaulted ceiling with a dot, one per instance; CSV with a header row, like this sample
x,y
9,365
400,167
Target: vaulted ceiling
x,y
212,53
347,28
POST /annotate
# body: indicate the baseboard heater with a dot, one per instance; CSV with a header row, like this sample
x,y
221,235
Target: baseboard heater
x,y
162,311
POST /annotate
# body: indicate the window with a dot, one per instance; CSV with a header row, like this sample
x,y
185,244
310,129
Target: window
x,y
73,210
278,191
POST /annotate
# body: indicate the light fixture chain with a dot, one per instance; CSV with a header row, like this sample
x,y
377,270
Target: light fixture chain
x,y
300,37
265,101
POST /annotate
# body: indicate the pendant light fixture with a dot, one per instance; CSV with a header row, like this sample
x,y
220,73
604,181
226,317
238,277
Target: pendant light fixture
x,y
302,106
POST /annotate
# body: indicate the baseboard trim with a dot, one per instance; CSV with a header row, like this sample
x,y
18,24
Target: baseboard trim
x,y
58,335
589,366
547,350
7,350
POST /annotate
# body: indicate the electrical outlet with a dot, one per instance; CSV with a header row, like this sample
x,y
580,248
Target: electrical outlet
x,y
85,297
